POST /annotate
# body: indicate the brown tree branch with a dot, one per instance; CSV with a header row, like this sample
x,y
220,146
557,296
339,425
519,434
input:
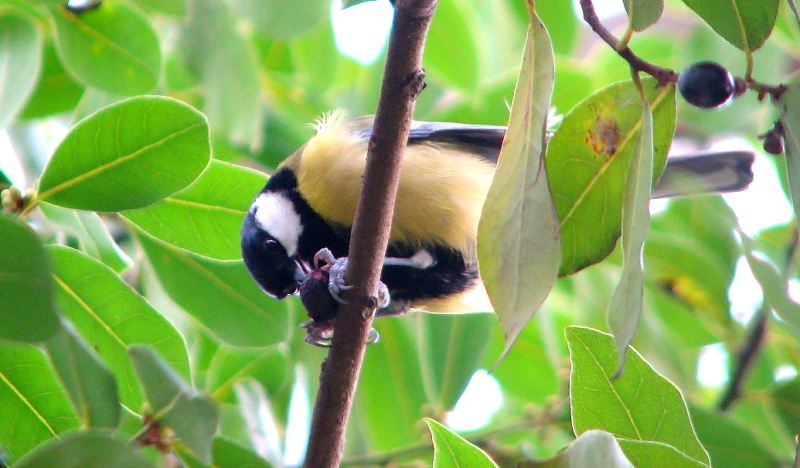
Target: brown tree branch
x,y
402,82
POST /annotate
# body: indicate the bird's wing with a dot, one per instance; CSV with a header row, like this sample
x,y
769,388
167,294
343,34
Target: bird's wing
x,y
483,140
692,174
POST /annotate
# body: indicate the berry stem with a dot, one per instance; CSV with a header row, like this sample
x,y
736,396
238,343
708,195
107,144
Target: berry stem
x,y
763,89
626,38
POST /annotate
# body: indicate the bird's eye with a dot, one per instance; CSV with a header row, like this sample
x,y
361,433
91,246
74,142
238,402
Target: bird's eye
x,y
272,246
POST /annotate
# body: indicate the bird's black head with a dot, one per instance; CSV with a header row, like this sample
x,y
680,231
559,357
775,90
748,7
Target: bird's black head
x,y
269,243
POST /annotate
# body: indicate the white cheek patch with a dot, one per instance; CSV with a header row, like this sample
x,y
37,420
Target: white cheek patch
x,y
276,215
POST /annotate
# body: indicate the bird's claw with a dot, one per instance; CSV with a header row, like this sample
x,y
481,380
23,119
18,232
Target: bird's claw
x,y
320,334
384,298
336,282
324,259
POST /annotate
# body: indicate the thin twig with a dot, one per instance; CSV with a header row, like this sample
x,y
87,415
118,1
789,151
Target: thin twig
x,y
746,356
663,75
666,75
756,336
402,82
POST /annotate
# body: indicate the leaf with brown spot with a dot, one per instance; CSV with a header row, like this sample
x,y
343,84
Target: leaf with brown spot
x,y
587,162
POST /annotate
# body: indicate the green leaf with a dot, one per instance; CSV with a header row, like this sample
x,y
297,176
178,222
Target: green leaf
x,y
56,92
729,444
700,231
572,85
519,248
529,372
27,308
222,296
231,365
127,155
390,413
85,449
564,29
284,20
744,23
214,46
112,47
786,401
587,163
193,416
187,458
625,307
91,233
206,217
89,383
773,283
643,13
591,450
455,66
789,106
167,7
229,454
451,451
20,57
450,351
30,391
764,418
644,410
110,316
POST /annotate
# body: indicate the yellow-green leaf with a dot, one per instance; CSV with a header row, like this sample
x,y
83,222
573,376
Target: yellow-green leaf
x,y
587,164
626,303
519,249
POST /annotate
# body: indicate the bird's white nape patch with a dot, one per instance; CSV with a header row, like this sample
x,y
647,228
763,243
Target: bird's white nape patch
x,y
275,214
422,259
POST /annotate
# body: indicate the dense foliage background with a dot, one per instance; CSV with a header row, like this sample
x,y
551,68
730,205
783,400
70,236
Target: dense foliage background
x,y
127,314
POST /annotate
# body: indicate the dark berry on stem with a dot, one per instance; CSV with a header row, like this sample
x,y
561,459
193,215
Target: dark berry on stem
x,y
706,84
316,299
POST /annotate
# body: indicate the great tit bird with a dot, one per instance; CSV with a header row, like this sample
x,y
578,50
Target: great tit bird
x,y
309,204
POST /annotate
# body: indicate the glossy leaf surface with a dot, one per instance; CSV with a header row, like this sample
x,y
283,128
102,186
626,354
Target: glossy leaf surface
x,y
222,296
451,451
206,217
103,162
27,307
89,383
30,390
20,58
111,316
744,23
112,47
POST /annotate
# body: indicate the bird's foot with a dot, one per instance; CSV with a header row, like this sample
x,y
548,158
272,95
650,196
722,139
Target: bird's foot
x,y
336,267
320,334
